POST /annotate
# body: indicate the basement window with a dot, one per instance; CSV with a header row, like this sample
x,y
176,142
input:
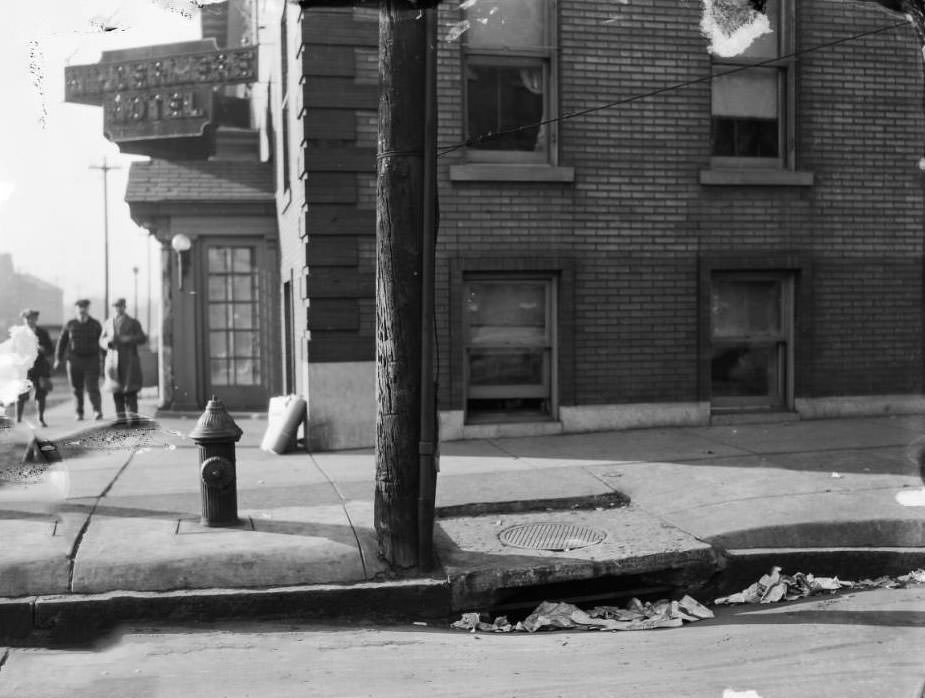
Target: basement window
x,y
509,348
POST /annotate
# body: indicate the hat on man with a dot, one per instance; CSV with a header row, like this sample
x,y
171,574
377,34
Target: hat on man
x,y
28,312
82,303
119,303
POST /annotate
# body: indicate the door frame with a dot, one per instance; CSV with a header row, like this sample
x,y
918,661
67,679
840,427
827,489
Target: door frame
x,y
257,396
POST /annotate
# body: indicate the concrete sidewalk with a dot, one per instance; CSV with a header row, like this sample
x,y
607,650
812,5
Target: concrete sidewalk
x,y
119,514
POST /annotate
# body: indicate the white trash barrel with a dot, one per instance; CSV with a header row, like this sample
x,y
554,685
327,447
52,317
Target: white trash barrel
x,y
285,415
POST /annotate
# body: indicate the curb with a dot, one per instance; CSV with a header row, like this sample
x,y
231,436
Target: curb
x,y
79,619
741,567
580,581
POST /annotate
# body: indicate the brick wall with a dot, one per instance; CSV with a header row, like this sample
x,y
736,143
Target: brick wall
x,y
339,56
636,222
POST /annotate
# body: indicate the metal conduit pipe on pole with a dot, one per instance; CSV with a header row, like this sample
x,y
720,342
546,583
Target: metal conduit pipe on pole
x,y
428,448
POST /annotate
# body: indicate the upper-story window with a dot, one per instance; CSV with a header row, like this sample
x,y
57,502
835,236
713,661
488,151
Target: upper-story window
x,y
510,81
752,123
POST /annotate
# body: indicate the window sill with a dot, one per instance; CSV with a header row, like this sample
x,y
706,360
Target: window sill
x,y
510,173
746,177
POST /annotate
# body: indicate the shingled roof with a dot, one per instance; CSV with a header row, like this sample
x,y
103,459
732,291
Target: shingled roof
x,y
200,181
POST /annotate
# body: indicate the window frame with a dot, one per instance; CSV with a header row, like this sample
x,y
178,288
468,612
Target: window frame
x,y
547,57
786,98
547,389
781,393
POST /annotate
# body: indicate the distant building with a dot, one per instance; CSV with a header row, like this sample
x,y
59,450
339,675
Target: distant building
x,y
19,291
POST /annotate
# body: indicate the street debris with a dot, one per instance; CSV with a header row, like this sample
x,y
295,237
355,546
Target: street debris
x,y
911,498
837,475
637,615
732,693
774,587
647,615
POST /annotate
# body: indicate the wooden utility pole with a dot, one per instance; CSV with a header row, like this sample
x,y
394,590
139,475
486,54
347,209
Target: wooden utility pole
x,y
399,222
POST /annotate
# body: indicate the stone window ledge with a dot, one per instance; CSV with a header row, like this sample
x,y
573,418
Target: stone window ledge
x,y
510,173
756,177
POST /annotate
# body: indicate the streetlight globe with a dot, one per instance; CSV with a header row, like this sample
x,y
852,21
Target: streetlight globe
x,y
180,242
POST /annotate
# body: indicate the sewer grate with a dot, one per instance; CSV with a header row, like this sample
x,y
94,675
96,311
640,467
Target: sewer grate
x,y
551,536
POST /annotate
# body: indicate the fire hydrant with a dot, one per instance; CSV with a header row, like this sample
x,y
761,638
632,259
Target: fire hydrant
x,y
216,434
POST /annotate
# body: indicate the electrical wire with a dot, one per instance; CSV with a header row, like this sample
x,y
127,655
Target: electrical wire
x,y
445,150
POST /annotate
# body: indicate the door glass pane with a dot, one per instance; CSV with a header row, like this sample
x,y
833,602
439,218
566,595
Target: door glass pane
x,y
242,288
242,259
218,288
244,316
218,316
218,260
244,372
487,367
245,344
218,344
219,373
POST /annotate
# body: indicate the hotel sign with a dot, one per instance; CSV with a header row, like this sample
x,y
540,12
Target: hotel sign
x,y
150,97
168,113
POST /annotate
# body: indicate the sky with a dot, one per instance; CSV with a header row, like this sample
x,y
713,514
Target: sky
x,y
51,202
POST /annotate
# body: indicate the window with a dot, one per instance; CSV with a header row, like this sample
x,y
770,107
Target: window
x,y
510,81
752,118
509,348
751,330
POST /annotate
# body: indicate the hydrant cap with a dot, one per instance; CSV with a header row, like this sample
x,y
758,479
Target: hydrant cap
x,y
216,424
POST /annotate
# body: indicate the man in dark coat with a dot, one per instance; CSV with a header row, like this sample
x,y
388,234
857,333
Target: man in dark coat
x,y
40,373
121,336
80,339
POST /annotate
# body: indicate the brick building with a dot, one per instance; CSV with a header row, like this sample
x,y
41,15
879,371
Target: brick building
x,y
736,246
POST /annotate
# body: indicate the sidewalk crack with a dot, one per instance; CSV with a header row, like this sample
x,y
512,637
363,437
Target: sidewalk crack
x,y
78,539
343,505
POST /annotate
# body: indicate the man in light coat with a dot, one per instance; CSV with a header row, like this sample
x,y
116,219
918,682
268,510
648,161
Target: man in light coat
x,y
121,336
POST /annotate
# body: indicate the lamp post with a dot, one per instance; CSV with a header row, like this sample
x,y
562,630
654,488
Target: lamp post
x,y
180,244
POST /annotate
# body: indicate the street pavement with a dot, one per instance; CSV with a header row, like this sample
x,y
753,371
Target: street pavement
x,y
113,526
856,645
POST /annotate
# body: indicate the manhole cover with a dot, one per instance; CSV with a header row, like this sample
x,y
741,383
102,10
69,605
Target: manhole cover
x,y
551,536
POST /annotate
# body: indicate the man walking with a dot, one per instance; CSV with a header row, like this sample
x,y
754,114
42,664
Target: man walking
x,y
121,337
80,340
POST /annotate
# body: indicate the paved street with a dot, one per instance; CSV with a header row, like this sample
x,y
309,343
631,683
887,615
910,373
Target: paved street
x,y
857,645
